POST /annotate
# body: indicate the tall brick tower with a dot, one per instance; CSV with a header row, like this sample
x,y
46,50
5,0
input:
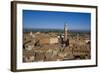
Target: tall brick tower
x,y
65,33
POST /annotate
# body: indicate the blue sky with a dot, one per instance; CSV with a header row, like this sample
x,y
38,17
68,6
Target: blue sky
x,y
56,20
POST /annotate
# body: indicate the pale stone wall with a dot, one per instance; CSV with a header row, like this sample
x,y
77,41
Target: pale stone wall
x,y
53,40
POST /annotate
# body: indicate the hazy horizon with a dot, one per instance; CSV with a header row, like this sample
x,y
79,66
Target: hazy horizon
x,y
56,29
51,30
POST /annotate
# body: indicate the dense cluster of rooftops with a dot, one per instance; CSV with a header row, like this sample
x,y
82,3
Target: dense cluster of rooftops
x,y
51,47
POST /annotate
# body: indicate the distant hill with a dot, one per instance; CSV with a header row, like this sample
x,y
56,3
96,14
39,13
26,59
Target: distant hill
x,y
53,30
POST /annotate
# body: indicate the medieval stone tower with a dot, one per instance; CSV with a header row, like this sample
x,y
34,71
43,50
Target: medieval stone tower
x,y
65,32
